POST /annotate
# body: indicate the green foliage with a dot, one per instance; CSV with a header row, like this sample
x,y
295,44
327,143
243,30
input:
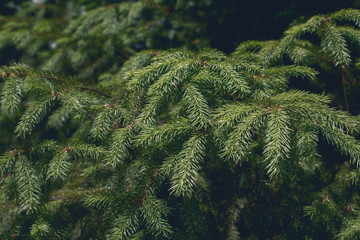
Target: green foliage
x,y
176,144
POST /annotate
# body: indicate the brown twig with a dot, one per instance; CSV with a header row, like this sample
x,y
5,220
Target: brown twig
x,y
131,180
45,35
96,91
119,96
343,73
135,111
149,183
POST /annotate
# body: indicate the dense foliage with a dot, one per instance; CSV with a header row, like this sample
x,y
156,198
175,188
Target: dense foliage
x,y
107,133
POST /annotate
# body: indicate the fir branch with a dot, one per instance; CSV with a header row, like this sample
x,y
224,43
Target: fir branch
x,y
346,15
350,229
46,146
185,172
350,33
20,70
319,113
124,226
346,144
102,201
96,91
277,142
153,211
59,117
167,133
238,142
76,101
230,114
235,81
40,229
120,142
86,151
172,79
197,107
103,122
28,184
11,95
33,115
7,161
59,165
334,43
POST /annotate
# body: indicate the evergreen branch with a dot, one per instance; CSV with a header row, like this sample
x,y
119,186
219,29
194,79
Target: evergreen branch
x,y
20,70
153,211
170,132
208,78
96,91
137,61
7,161
40,229
347,15
291,35
237,145
108,119
151,109
351,229
298,96
59,117
46,146
302,52
124,226
168,165
102,201
306,141
285,72
140,79
277,142
334,43
235,82
319,113
76,101
59,165
270,53
242,65
103,123
86,151
185,172
147,187
208,54
252,46
172,79
350,33
173,55
230,114
346,144
294,33
120,142
233,213
33,115
11,95
197,107
28,184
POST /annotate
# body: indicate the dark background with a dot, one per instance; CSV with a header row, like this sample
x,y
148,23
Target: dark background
x,y
230,22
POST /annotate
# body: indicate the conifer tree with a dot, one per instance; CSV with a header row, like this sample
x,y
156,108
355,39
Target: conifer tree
x,y
175,143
